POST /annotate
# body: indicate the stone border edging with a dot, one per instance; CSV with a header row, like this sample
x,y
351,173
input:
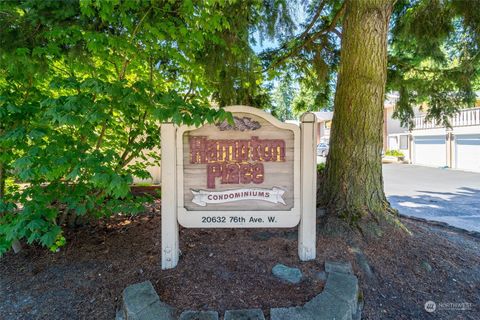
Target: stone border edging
x,y
339,300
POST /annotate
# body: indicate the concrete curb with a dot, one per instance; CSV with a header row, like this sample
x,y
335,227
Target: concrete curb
x,y
445,225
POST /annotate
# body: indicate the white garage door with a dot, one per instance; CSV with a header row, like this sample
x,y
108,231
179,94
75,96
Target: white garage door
x,y
430,151
467,152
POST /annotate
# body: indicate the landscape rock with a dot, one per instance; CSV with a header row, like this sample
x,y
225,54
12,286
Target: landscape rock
x,y
120,315
158,310
338,301
292,313
199,315
324,306
345,287
138,297
363,263
245,314
16,246
292,275
341,267
141,302
327,306
426,266
358,314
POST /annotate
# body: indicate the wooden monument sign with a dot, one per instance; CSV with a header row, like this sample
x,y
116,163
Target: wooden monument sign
x,y
255,173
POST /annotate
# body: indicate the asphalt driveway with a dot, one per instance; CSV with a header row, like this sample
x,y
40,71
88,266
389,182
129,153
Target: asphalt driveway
x,y
444,195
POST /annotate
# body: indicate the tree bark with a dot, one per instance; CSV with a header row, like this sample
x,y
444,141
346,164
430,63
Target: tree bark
x,y
353,188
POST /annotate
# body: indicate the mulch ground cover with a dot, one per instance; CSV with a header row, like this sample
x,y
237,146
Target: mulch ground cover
x,y
231,269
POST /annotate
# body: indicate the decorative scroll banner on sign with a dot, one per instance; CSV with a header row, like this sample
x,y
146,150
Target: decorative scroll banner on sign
x,y
202,197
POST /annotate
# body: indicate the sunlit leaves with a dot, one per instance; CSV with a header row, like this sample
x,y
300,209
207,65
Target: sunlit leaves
x,y
84,86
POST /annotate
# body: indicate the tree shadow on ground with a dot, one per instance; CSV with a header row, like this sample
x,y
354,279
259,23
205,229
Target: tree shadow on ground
x,y
460,208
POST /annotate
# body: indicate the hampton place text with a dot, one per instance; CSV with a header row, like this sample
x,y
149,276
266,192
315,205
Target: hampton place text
x,y
235,161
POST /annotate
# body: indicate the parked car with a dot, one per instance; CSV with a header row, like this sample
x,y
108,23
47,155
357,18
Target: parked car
x,y
322,149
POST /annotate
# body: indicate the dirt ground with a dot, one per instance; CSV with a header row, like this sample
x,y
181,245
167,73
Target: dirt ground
x,y
231,268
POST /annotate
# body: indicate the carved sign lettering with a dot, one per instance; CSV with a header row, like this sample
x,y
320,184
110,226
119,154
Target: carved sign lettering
x,y
235,161
202,197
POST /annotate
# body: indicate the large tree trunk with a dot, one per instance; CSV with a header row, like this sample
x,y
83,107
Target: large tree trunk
x,y
353,188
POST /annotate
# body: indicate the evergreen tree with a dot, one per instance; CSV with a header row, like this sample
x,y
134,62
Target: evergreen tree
x,y
433,57
282,100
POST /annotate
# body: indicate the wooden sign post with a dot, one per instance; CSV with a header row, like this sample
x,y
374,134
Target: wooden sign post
x,y
256,173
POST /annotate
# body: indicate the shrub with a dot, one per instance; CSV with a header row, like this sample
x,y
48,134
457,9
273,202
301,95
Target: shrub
x,y
394,153
320,168
81,100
